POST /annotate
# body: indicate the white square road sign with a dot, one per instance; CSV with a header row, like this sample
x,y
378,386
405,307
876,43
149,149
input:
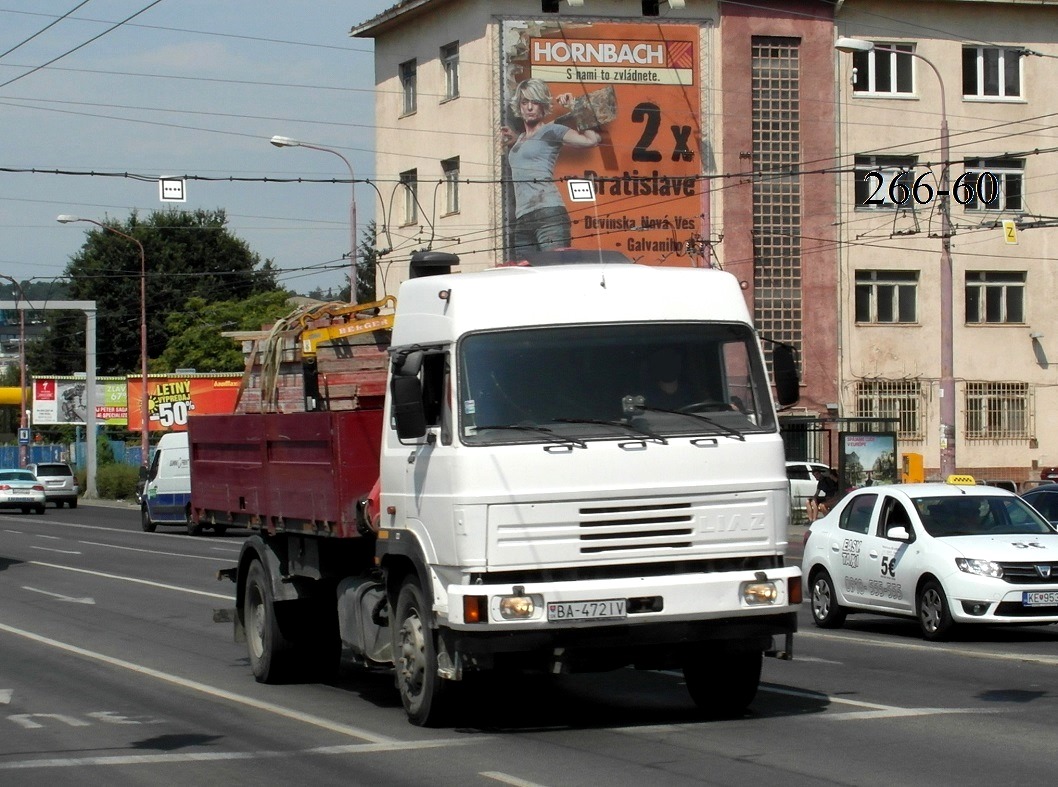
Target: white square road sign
x,y
172,190
581,190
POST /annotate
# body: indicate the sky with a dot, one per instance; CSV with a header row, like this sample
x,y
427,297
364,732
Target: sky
x,y
185,87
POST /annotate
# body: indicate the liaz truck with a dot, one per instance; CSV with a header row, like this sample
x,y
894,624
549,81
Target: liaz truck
x,y
554,467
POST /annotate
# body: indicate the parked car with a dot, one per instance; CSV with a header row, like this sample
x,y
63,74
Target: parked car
x,y
802,482
21,489
943,553
60,484
1044,499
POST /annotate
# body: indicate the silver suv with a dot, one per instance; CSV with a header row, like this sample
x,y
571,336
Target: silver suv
x,y
60,484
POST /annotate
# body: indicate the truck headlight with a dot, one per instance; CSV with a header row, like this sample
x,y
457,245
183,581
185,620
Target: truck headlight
x,y
517,607
760,592
983,568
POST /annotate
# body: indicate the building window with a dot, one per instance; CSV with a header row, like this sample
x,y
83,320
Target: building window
x,y
1001,189
991,72
997,411
410,182
875,176
450,64
777,188
881,72
995,297
886,296
408,70
901,400
450,167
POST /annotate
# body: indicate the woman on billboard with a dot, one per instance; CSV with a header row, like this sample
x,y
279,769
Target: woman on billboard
x,y
541,219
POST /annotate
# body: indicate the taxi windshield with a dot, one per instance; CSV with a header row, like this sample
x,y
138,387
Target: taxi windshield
x,y
979,515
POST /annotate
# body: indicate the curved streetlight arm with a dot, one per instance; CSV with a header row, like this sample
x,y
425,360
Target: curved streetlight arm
x,y
145,420
288,142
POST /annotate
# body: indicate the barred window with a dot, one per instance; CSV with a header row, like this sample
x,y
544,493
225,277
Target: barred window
x,y
450,64
410,181
898,399
1002,190
882,71
995,297
408,77
886,296
876,191
997,411
450,167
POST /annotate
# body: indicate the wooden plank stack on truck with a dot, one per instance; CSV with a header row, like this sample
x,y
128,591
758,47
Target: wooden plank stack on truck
x,y
578,468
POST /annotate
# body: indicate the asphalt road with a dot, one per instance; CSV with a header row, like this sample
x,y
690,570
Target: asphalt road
x,y
112,669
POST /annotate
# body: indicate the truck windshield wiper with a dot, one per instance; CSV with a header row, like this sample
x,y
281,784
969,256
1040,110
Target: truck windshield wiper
x,y
722,427
620,424
543,430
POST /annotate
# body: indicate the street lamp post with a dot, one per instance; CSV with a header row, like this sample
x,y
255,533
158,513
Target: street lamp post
x,y
145,421
287,142
22,449
947,376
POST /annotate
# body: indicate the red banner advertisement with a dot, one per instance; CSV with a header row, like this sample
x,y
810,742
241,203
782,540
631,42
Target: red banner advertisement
x,y
171,399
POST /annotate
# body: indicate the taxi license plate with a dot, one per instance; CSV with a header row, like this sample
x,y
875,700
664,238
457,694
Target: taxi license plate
x,y
1039,598
606,609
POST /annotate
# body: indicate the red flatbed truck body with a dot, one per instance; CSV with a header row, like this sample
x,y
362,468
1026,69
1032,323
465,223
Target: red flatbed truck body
x,y
301,472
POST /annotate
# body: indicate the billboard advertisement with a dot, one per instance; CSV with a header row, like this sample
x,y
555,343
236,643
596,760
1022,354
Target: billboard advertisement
x,y
867,458
63,400
172,398
614,103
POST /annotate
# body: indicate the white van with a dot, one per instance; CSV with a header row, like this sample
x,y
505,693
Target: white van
x,y
166,498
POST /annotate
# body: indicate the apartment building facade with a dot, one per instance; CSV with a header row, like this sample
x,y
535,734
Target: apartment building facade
x,y
735,135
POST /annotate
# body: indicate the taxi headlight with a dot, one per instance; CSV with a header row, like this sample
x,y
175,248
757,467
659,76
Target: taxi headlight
x,y
983,568
760,592
517,607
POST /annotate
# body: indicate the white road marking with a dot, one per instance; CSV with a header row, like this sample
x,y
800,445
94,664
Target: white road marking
x,y
1030,658
60,551
203,688
209,756
5,696
161,585
506,778
60,596
156,551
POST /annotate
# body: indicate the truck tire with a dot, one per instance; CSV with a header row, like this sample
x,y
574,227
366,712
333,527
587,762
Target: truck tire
x,y
723,685
145,520
193,528
422,690
219,530
270,651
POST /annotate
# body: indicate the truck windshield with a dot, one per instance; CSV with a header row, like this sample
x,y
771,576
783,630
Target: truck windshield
x,y
626,381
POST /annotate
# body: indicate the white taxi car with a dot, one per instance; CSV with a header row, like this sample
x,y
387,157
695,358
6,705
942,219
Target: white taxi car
x,y
945,553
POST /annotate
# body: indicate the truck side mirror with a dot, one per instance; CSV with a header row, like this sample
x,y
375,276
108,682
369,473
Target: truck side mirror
x,y
405,389
787,381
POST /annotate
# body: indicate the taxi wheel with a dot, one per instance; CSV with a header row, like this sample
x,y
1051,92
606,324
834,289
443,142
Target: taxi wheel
x,y
934,616
826,611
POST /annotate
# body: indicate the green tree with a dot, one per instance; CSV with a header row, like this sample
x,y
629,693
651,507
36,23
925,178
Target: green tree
x,y
187,253
195,332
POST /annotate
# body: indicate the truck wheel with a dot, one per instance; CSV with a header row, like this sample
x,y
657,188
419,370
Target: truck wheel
x,y
723,685
219,530
145,520
826,611
422,690
269,649
193,527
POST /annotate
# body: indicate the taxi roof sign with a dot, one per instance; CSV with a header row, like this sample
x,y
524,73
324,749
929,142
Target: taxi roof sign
x,y
961,480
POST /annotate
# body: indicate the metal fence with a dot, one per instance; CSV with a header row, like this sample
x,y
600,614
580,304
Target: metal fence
x,y
74,453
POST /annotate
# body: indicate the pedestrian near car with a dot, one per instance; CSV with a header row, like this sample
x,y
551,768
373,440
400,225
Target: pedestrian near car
x,y
825,495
